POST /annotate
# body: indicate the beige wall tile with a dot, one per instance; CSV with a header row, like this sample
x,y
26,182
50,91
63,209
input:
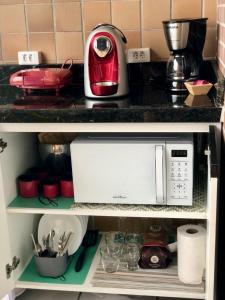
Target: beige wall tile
x,y
126,14
210,48
71,20
69,45
95,12
65,0
12,19
209,11
40,18
186,9
154,12
37,1
68,16
11,44
155,39
133,39
44,42
11,1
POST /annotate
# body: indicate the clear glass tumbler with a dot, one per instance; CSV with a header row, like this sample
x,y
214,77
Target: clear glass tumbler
x,y
132,256
134,238
110,260
114,242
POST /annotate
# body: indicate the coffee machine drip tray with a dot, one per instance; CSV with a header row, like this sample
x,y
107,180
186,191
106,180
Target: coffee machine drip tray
x,y
104,88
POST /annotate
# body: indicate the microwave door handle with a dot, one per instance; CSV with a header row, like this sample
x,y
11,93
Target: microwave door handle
x,y
159,174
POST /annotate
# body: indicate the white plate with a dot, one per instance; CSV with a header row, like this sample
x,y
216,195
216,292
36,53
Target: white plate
x,y
85,223
61,224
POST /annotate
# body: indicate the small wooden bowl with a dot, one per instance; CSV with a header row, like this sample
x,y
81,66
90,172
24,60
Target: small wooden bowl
x,y
198,89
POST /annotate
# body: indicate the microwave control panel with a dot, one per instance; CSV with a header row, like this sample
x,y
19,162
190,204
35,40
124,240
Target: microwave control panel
x,y
180,174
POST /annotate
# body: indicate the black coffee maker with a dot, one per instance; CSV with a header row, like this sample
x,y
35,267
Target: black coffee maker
x,y
185,39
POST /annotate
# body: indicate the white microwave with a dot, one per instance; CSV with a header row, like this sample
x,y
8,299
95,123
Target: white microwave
x,y
133,169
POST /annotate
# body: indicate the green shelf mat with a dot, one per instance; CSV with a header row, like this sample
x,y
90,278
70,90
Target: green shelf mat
x,y
70,277
20,202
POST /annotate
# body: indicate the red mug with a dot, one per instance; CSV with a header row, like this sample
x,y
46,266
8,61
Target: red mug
x,y
50,188
66,187
28,186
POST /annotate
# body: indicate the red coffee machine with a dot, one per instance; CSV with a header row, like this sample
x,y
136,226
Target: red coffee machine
x,y
105,68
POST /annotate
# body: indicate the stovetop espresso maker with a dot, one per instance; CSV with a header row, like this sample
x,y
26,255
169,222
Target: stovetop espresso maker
x,y
185,39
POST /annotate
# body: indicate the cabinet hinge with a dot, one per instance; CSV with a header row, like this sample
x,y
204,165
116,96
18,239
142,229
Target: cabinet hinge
x,y
9,268
3,145
207,152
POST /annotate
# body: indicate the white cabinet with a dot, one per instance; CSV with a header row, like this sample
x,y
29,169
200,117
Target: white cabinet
x,y
17,222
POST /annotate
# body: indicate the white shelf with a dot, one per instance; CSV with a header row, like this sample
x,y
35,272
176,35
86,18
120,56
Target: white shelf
x,y
88,286
89,289
116,211
196,211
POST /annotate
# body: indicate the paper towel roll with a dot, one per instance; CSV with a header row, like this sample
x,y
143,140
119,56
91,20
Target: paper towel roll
x,y
191,247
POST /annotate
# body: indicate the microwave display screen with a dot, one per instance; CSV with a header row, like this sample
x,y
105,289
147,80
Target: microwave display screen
x,y
179,153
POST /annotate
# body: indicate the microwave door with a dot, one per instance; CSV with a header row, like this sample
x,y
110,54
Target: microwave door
x,y
160,174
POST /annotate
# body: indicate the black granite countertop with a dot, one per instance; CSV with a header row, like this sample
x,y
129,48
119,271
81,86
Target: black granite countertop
x,y
149,101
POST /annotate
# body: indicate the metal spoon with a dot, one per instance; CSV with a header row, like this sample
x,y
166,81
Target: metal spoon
x,y
65,244
51,242
44,241
37,246
62,240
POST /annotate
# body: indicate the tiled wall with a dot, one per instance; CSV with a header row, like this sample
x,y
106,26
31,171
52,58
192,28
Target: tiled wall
x,y
59,28
221,34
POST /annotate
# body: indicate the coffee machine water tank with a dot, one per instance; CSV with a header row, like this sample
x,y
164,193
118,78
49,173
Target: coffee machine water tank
x,y
105,67
176,34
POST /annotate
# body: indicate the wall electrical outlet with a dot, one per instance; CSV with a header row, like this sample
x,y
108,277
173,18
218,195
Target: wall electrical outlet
x,y
138,55
29,57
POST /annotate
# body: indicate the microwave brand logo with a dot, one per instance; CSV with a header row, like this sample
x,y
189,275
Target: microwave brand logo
x,y
119,197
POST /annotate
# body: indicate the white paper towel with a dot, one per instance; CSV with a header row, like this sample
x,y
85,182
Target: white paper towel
x,y
191,247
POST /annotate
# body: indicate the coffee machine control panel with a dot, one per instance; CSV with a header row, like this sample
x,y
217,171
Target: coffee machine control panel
x,y
102,46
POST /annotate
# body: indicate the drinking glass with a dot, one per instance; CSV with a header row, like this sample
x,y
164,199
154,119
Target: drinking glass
x,y
131,239
110,261
133,255
134,238
114,242
114,237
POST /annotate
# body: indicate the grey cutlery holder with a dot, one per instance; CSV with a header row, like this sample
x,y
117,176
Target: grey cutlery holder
x,y
51,266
